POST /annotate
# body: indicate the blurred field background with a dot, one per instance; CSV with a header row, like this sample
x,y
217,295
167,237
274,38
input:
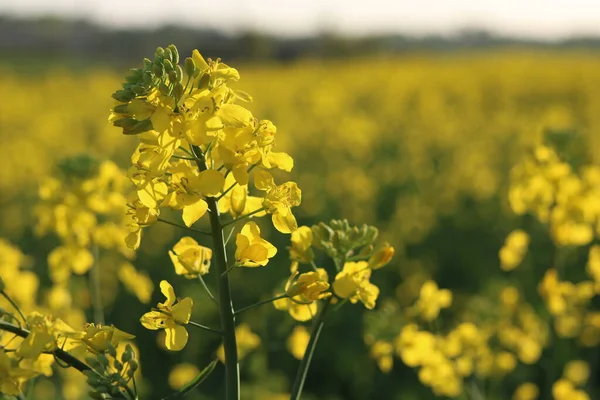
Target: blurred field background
x,y
417,137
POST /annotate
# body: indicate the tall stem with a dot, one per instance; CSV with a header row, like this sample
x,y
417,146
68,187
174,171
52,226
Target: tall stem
x,y
232,371
310,349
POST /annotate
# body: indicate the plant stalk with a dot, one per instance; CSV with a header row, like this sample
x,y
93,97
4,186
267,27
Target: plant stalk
x,y
226,311
310,349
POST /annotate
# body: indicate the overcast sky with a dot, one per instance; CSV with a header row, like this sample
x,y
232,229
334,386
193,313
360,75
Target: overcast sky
x,y
546,19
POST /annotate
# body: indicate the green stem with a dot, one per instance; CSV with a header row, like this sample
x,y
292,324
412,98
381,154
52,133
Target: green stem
x,y
226,311
260,303
233,221
219,197
201,279
206,328
183,226
310,349
16,307
95,288
60,354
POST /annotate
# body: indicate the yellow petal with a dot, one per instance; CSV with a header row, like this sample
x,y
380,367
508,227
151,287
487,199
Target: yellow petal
x,y
176,337
210,182
194,212
182,311
167,290
284,223
282,161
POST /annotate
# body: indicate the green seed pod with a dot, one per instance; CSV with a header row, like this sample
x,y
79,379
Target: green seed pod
x,y
190,66
159,53
174,53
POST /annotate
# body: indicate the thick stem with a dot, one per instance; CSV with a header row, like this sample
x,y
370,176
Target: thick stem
x,y
232,371
310,349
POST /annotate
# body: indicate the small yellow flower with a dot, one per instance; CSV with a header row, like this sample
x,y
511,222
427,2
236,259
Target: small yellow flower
x,y
136,282
577,372
189,258
382,352
432,300
170,316
514,250
526,391
353,283
11,376
252,250
278,202
247,341
182,374
301,245
309,286
298,341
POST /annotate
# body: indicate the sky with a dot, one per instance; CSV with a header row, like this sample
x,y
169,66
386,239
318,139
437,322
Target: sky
x,y
541,19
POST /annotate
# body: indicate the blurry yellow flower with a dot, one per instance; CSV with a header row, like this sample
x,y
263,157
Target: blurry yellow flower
x,y
514,249
136,282
432,300
298,341
11,376
247,341
170,316
526,391
577,372
382,352
189,258
353,283
252,250
42,335
182,374
301,245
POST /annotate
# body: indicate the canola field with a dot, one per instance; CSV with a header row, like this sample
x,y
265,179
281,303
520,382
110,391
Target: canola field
x,y
482,170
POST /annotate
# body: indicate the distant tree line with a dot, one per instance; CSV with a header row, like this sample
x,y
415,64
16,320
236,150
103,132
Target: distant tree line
x,y
55,39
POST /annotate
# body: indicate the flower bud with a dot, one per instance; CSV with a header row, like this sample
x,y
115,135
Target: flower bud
x,y
123,95
190,66
158,69
168,65
381,257
159,53
178,90
2,284
168,55
174,53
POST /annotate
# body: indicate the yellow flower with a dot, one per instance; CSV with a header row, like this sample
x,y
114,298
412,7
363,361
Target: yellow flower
x,y
514,249
526,391
298,341
301,245
189,258
170,316
182,374
577,372
11,376
309,286
136,282
278,202
246,340
432,300
252,250
382,352
353,283
189,189
42,335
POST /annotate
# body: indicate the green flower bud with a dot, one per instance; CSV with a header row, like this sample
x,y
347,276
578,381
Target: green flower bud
x,y
96,395
168,65
102,359
125,123
2,284
204,81
168,55
138,90
158,70
111,349
190,66
120,109
179,72
148,78
133,365
140,127
173,76
123,95
147,63
118,365
178,90
175,53
164,89
159,53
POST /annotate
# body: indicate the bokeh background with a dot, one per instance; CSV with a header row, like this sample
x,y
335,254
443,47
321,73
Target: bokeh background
x,y
404,116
